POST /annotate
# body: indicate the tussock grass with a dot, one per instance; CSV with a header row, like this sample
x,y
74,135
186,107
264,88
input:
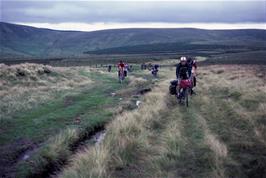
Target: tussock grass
x,y
25,86
169,148
221,134
137,81
230,104
209,139
26,70
82,106
126,139
79,112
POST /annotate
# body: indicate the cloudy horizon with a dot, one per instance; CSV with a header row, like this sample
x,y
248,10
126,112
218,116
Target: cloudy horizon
x,y
107,26
98,15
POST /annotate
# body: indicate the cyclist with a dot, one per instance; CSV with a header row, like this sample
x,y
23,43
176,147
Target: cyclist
x,y
155,69
183,72
126,70
121,68
109,68
193,67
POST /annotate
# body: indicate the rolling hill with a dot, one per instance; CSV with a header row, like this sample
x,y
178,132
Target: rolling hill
x,y
24,41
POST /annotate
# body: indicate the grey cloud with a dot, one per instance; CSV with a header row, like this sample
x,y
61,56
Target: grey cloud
x,y
84,11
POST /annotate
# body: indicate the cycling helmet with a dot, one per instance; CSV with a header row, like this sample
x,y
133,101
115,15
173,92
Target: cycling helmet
x,y
182,59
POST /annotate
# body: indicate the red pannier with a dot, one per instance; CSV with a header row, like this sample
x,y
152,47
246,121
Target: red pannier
x,y
185,83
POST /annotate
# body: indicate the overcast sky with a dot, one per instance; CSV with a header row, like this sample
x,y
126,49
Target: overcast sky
x,y
93,15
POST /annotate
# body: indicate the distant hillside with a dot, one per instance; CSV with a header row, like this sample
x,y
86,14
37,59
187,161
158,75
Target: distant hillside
x,y
183,48
24,41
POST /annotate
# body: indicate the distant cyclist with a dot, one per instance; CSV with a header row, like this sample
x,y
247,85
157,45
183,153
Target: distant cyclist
x,y
109,68
126,69
130,68
142,66
121,70
155,70
150,66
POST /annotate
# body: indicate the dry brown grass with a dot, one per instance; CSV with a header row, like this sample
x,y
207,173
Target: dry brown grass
x,y
234,103
127,138
162,139
246,92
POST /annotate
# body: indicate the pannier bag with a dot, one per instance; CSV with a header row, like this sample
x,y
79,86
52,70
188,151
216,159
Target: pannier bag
x,y
172,87
185,83
174,82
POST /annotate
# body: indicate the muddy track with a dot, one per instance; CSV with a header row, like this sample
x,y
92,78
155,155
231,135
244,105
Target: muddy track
x,y
15,153
96,135
53,167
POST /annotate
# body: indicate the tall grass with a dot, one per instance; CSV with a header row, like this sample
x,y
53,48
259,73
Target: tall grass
x,y
221,134
230,103
127,139
25,86
162,139
79,113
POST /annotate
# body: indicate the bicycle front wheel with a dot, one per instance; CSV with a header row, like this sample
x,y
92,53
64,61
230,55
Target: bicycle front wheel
x,y
186,97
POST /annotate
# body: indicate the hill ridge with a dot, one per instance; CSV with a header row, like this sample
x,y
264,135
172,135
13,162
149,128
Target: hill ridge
x,y
26,41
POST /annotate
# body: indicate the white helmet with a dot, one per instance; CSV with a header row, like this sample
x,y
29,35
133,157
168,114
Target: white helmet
x,y
183,59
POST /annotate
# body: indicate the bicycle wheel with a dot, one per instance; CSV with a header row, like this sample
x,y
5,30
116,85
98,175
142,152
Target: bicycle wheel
x,y
186,97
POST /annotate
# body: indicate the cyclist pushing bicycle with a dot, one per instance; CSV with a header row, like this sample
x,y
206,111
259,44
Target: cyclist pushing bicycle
x,y
183,74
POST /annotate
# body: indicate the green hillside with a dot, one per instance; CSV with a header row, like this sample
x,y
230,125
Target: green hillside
x,y
24,41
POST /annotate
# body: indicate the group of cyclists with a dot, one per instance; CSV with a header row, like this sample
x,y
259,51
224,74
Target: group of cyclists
x,y
124,68
154,68
185,73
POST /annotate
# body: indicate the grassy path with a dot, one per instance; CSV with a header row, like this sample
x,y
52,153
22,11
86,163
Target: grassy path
x,y
73,116
168,142
221,134
38,124
94,108
59,125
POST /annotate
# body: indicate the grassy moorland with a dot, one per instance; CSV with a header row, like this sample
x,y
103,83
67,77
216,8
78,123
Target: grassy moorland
x,y
221,134
50,114
46,112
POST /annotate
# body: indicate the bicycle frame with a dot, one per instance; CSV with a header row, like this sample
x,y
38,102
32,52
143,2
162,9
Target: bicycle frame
x,y
121,75
184,88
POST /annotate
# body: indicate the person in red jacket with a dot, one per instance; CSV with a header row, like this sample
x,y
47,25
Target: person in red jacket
x,y
121,64
121,67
